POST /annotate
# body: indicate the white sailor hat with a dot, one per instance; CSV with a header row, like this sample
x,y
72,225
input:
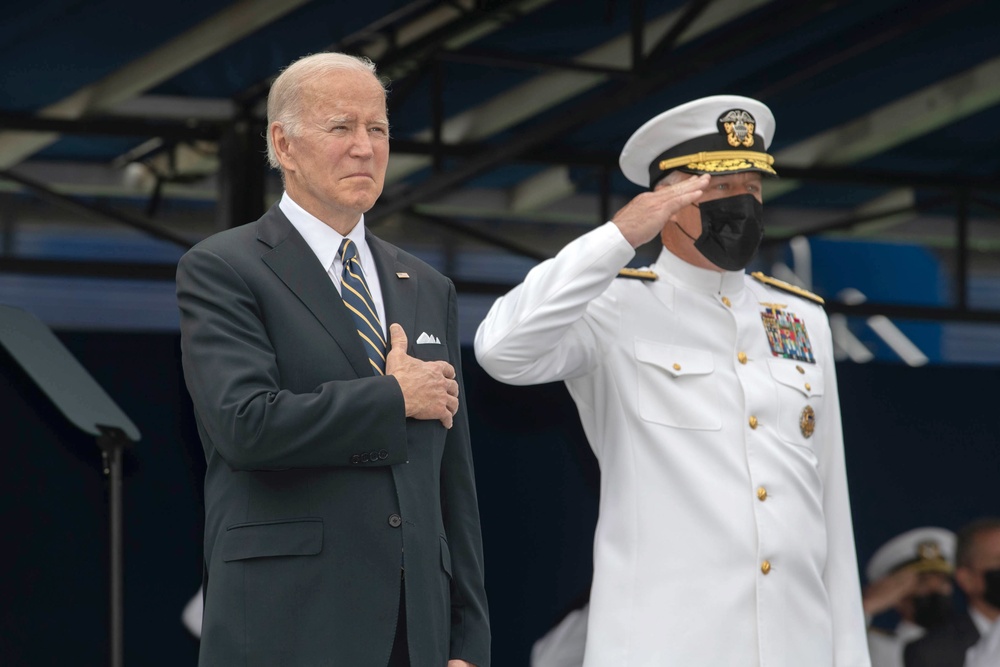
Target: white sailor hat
x,y
927,549
722,134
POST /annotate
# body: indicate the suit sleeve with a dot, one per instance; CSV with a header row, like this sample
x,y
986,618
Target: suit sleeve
x,y
841,573
232,374
470,625
537,332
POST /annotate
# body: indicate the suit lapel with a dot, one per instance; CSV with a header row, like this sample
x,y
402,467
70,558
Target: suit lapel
x,y
294,262
399,295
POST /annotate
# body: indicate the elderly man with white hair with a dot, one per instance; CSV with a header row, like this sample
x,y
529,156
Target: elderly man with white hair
x,y
342,525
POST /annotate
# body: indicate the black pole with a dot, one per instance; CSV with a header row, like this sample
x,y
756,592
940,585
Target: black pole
x,y
605,213
637,24
112,442
962,264
437,113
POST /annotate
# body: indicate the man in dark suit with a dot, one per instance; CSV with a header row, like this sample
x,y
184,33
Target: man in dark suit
x,y
977,573
342,526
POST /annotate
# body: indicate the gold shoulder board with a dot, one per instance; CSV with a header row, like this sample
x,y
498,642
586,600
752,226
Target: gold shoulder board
x,y
788,287
637,274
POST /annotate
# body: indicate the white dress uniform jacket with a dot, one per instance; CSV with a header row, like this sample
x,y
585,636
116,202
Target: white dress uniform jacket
x,y
724,537
563,645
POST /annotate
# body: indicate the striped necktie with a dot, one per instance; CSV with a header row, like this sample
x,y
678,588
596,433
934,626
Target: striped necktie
x,y
358,299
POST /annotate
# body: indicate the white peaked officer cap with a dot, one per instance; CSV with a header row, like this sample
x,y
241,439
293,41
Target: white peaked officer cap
x,y
718,135
926,549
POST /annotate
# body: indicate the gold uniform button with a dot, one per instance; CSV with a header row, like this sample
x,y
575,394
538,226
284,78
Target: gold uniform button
x,y
808,386
726,301
677,367
742,357
800,369
761,493
765,567
753,422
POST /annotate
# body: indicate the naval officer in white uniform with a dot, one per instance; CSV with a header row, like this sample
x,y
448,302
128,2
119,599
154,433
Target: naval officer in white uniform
x,y
710,399
910,575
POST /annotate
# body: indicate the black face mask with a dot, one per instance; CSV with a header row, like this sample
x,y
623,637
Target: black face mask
x,y
992,593
731,231
931,610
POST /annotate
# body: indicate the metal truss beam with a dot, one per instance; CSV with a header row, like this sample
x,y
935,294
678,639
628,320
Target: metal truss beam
x,y
897,312
485,237
893,124
225,27
87,269
401,50
75,206
853,220
539,94
860,176
514,61
114,126
850,43
891,310
555,155
730,39
670,40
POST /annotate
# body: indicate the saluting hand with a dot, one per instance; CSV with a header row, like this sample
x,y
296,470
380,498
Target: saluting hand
x,y
885,593
429,387
642,218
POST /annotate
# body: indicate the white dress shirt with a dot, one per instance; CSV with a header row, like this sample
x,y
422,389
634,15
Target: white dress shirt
x,y
325,241
985,652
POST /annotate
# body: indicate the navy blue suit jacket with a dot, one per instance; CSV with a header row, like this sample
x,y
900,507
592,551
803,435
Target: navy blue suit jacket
x,y
944,646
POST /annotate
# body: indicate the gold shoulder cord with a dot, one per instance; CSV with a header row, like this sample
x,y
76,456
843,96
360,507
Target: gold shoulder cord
x,y
637,274
788,287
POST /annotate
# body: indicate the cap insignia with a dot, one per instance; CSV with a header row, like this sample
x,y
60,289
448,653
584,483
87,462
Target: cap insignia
x,y
929,551
738,126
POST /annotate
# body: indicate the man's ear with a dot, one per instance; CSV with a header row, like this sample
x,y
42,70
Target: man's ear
x,y
967,580
282,146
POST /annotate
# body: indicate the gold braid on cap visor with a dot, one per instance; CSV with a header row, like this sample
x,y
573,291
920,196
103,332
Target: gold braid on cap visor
x,y
719,161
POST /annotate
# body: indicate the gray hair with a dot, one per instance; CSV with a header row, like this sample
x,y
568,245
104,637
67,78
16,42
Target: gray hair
x,y
284,102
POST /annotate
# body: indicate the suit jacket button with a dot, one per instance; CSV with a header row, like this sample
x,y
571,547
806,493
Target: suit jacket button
x,y
382,454
395,521
364,457
373,456
355,459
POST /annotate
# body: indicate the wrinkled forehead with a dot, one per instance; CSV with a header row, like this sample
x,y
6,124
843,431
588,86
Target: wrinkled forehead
x,y
345,88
